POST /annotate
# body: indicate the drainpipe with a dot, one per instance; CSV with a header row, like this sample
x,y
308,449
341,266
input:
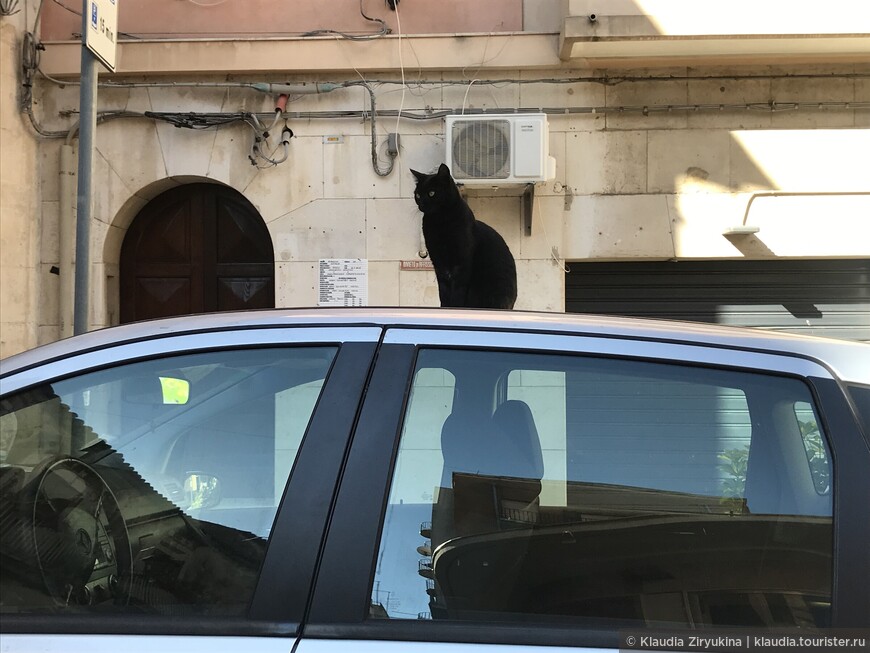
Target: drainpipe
x,y
67,230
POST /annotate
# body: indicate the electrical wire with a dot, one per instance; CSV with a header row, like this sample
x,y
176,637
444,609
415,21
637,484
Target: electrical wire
x,y
261,135
373,122
204,121
480,82
614,80
38,16
401,65
257,155
261,152
398,154
69,9
9,7
74,12
365,114
484,60
193,120
553,250
465,98
30,55
201,121
197,121
353,37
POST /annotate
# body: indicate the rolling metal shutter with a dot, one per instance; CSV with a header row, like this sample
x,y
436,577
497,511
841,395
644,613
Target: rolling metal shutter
x,y
818,297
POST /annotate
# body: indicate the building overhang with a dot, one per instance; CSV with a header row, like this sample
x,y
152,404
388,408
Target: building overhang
x,y
642,32
618,48
316,56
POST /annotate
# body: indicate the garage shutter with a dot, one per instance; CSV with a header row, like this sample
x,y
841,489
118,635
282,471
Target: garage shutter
x,y
818,297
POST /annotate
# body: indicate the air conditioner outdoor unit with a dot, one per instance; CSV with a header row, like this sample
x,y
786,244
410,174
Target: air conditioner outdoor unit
x,y
499,149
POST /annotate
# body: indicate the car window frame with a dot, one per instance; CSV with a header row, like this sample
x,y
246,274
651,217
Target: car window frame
x,y
343,588
278,605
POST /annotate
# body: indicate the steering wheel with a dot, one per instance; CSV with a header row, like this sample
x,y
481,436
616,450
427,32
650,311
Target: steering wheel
x,y
80,540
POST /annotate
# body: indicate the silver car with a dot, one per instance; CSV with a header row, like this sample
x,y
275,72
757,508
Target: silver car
x,y
413,479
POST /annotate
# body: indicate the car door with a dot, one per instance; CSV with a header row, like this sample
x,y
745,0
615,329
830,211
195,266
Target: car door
x,y
173,492
527,489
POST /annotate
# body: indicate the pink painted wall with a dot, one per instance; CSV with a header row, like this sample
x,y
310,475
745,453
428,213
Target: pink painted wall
x,y
243,18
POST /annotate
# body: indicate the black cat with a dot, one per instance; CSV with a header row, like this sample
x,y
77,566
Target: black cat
x,y
473,264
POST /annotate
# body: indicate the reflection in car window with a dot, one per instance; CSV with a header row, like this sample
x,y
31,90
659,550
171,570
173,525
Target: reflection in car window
x,y
814,445
596,491
122,492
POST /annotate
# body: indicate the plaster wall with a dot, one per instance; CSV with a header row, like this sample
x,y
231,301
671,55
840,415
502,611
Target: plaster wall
x,y
628,186
149,19
20,265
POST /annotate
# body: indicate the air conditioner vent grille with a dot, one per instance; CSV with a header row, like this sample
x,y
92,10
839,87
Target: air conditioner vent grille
x,y
481,149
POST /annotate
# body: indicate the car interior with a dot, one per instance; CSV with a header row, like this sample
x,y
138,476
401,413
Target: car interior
x,y
690,545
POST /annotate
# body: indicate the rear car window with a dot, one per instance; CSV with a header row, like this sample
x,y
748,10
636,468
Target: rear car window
x,y
603,491
151,487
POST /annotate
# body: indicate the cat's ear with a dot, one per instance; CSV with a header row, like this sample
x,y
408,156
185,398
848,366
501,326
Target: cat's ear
x,y
443,170
418,175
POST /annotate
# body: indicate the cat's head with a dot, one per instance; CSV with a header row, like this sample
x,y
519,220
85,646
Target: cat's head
x,y
434,191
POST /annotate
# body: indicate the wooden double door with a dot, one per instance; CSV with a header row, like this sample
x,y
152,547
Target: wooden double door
x,y
196,249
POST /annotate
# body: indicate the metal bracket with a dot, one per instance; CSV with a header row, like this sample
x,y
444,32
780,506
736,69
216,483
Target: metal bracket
x,y
526,193
528,208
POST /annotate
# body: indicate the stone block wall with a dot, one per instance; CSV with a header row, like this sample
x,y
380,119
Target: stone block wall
x,y
629,184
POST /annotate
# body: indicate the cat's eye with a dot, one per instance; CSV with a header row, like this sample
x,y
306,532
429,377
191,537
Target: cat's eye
x,y
417,195
431,193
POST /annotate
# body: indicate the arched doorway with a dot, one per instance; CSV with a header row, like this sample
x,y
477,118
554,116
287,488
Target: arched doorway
x,y
195,249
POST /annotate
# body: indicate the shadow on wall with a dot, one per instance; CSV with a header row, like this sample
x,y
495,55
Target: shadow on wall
x,y
781,193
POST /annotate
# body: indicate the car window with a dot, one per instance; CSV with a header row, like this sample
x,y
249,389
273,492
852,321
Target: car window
x,y
151,487
596,491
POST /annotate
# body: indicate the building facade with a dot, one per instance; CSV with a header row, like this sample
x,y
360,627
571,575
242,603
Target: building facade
x,y
688,149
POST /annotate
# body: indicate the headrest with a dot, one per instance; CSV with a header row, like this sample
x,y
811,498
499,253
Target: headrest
x,y
514,428
505,445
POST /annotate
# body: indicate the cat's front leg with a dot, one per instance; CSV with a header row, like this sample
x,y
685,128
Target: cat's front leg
x,y
459,297
458,290
443,288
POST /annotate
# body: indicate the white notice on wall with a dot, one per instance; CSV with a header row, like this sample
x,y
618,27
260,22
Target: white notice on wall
x,y
344,282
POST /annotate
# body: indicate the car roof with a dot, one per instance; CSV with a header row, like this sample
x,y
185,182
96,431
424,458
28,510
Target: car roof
x,y
847,359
